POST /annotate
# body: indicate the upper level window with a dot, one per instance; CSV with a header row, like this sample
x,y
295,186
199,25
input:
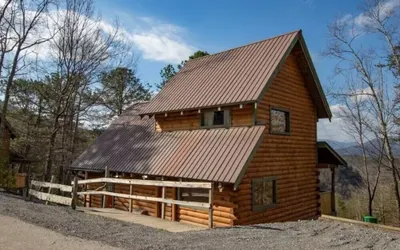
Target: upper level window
x,y
280,121
216,118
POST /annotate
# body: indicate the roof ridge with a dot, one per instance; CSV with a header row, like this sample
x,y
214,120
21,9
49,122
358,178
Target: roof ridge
x,y
245,45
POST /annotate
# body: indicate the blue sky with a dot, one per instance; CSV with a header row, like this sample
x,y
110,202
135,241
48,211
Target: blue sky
x,y
219,25
168,31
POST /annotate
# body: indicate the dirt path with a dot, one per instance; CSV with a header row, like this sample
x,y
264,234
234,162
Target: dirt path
x,y
16,234
73,227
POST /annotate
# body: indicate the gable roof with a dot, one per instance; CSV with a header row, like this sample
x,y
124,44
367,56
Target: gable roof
x,y
131,145
236,76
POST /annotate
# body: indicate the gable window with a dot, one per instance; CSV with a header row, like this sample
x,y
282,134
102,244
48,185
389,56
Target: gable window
x,y
279,121
263,193
216,118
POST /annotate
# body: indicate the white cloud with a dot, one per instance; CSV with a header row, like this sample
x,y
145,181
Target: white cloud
x,y
334,129
150,38
159,41
361,95
345,19
383,10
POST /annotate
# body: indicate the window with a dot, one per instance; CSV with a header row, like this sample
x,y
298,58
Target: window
x,y
216,118
280,121
264,193
193,194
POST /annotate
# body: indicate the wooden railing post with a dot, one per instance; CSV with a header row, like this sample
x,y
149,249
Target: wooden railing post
x,y
85,188
74,193
333,201
173,207
130,193
210,209
105,202
163,203
51,181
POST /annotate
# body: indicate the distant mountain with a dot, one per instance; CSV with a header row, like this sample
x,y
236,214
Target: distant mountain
x,y
352,149
337,145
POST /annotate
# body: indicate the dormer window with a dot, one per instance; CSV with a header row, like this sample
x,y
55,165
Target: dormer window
x,y
211,118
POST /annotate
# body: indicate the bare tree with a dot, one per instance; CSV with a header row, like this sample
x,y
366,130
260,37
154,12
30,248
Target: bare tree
x,y
364,64
356,114
19,21
80,48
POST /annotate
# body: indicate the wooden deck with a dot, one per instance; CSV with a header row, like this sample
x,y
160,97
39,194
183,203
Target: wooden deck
x,y
150,221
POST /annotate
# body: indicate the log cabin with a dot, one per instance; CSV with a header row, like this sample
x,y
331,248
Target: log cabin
x,y
244,120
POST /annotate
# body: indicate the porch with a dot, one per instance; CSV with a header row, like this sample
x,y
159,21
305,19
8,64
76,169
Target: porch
x,y
328,161
145,220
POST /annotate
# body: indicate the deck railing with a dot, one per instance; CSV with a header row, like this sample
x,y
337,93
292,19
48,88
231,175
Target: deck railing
x,y
157,183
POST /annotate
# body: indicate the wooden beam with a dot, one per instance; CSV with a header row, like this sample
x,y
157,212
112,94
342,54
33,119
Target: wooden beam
x,y
173,206
85,188
148,198
106,175
361,223
63,188
205,185
333,201
323,165
74,193
130,192
163,204
51,181
158,207
51,197
210,208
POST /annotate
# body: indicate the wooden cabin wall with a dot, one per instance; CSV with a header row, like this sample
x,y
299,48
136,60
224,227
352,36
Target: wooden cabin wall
x,y
94,200
123,204
224,203
223,214
191,119
291,158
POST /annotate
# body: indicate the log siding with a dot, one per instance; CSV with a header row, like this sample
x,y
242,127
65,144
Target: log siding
x,y
223,208
290,158
192,119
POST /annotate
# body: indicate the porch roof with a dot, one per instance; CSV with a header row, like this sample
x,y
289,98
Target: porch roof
x,y
131,145
327,155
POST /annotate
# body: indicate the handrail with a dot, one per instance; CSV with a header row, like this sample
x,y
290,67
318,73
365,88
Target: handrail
x,y
205,185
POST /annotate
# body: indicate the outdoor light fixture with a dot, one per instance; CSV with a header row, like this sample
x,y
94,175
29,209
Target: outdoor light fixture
x,y
220,187
144,177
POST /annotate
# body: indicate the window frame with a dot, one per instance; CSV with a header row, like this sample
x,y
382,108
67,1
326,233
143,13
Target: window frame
x,y
179,193
263,207
229,122
287,115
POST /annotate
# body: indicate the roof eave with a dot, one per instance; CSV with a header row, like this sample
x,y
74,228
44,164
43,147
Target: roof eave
x,y
324,144
249,160
198,108
327,113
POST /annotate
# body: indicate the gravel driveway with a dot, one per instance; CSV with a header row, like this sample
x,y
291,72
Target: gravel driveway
x,y
291,235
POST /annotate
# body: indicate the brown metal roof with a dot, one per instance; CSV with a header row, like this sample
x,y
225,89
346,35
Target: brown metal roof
x,y
131,145
234,76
